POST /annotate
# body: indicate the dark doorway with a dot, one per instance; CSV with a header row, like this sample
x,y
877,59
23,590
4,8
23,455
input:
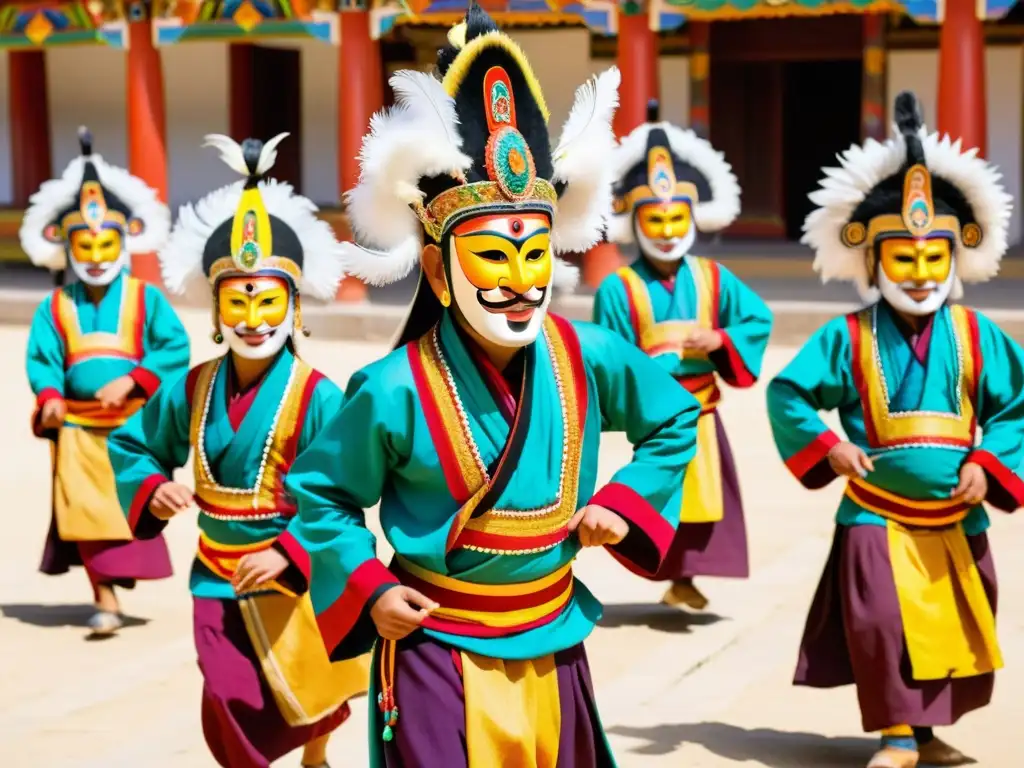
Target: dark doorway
x,y
266,99
821,117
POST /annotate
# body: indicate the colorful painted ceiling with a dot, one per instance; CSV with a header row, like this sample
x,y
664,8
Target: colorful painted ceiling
x,y
177,20
36,24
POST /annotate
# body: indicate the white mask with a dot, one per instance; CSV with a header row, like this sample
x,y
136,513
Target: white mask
x,y
105,271
896,293
274,341
664,250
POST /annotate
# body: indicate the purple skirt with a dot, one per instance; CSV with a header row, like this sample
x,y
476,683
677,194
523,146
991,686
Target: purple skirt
x,y
854,634
432,726
712,549
241,722
120,563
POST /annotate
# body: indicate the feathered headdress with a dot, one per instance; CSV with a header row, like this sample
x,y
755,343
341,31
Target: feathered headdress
x,y
914,185
91,194
660,161
257,226
475,142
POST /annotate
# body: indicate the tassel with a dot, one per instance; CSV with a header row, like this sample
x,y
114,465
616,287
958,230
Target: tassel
x,y
386,697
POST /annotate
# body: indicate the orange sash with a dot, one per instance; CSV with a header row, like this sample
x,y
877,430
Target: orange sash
x,y
92,415
933,513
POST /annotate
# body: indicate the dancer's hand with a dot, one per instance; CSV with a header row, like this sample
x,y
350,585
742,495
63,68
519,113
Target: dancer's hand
x,y
399,611
847,460
115,393
169,499
52,414
703,340
973,486
256,569
598,527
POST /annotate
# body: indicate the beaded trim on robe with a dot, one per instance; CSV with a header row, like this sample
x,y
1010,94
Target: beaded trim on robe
x,y
667,337
267,498
502,531
125,343
887,430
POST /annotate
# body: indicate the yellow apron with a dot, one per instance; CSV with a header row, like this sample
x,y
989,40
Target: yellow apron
x,y
85,501
702,484
306,684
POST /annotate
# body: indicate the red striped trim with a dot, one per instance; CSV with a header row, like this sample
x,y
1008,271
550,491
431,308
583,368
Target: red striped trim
x,y
469,629
462,601
999,472
341,616
140,502
442,440
499,543
738,375
148,381
140,317
908,510
716,291
579,371
192,380
634,319
55,315
853,327
295,552
90,354
808,457
291,448
642,518
979,363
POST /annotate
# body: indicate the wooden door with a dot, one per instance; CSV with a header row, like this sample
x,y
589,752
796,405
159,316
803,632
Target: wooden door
x,y
277,107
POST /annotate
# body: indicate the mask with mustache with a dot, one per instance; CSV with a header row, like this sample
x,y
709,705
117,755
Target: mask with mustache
x,y
500,272
916,265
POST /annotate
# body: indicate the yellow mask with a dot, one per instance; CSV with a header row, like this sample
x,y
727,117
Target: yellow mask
x,y
102,247
512,252
916,260
253,301
664,221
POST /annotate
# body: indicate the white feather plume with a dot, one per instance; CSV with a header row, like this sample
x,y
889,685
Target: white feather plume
x,y
579,162
268,155
417,137
860,168
711,215
230,152
56,195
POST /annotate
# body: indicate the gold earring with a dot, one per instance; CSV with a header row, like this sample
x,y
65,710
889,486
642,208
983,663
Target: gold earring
x,y
446,298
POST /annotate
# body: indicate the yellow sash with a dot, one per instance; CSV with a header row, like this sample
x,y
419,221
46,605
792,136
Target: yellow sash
x,y
702,485
307,686
513,715
947,620
85,502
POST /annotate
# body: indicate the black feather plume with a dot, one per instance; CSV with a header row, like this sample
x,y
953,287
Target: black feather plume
x,y
251,151
85,140
478,23
653,111
907,114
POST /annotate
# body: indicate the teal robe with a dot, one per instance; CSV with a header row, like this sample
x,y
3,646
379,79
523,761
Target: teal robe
x,y
827,375
380,448
157,440
736,312
155,348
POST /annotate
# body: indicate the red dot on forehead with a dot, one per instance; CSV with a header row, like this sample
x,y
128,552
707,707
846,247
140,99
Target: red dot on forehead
x,y
517,225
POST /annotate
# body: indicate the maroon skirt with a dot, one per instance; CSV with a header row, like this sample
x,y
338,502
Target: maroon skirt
x,y
241,722
854,634
432,726
120,563
712,549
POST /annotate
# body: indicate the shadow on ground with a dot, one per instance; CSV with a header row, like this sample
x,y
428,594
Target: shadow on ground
x,y
50,616
660,618
759,746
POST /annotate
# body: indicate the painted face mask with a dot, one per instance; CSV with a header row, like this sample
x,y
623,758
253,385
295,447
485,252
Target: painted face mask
x,y
501,270
97,257
664,230
256,315
916,275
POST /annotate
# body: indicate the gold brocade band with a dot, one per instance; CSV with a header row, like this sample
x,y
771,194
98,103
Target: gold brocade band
x,y
644,194
436,215
948,622
126,342
223,559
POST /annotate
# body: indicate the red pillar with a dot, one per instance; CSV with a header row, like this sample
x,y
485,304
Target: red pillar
x,y
873,101
962,108
147,127
637,59
360,94
700,72
31,162
240,95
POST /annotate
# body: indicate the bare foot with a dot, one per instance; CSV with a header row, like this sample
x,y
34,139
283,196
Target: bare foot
x,y
892,757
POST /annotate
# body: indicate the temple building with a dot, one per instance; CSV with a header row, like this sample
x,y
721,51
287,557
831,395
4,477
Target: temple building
x,y
778,85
